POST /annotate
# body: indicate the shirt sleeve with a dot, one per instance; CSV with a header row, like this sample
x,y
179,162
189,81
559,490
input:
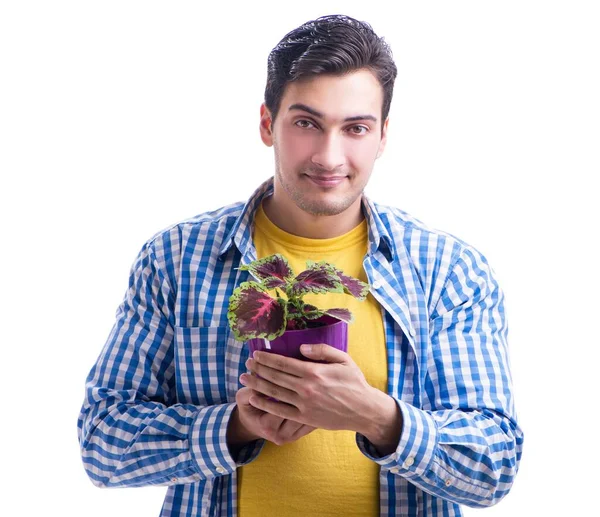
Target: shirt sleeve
x,y
464,444
131,430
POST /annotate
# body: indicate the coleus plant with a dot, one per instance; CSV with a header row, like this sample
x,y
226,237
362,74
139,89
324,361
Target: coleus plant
x,y
255,313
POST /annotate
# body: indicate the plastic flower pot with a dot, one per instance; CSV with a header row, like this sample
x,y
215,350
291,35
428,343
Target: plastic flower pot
x,y
333,333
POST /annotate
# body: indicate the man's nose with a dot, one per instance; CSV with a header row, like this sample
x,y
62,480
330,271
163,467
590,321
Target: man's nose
x,y
330,152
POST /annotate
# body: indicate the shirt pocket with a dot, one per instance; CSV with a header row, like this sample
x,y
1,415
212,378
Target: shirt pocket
x,y
207,362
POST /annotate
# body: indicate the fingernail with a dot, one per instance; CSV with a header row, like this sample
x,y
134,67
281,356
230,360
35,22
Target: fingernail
x,y
243,379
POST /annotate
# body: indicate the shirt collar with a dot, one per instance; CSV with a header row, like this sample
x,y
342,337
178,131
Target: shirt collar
x,y
241,232
379,236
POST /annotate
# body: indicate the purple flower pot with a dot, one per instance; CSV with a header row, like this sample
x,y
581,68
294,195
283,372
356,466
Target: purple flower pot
x,y
334,333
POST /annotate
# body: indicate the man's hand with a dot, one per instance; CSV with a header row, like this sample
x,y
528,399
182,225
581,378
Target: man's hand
x,y
334,395
249,423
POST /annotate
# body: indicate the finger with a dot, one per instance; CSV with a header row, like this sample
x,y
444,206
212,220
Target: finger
x,y
291,431
323,352
289,428
243,396
273,375
268,388
242,399
280,409
278,430
271,422
289,365
302,431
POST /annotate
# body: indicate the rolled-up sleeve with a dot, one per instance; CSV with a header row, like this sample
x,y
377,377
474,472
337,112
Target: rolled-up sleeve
x,y
131,430
464,444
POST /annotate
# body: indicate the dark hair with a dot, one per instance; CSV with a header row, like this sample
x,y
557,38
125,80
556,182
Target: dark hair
x,y
334,45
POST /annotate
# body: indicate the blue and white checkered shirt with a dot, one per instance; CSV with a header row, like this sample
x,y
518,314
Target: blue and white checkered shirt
x,y
160,396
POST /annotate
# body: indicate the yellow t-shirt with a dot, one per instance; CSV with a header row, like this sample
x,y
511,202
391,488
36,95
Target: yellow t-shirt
x,y
323,473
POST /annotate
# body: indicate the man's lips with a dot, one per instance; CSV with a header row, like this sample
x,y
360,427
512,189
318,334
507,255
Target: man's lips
x,y
327,181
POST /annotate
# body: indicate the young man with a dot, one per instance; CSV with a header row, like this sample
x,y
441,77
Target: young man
x,y
416,419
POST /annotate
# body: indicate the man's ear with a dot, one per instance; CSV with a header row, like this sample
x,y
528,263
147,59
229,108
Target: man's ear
x,y
383,138
266,125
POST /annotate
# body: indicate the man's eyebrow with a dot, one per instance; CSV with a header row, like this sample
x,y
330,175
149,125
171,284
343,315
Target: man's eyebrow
x,y
318,114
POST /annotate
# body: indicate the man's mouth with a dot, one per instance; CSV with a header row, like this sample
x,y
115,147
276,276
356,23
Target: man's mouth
x,y
327,181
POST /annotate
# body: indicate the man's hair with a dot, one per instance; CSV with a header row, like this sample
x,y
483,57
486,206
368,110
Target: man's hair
x,y
332,45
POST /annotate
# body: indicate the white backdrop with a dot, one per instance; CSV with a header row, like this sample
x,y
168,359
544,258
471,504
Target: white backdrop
x,y
120,118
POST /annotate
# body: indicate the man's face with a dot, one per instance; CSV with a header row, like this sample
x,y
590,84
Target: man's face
x,y
327,136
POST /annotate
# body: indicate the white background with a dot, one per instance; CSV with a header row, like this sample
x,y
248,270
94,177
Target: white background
x,y
120,118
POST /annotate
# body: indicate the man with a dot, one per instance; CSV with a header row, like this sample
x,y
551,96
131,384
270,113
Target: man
x,y
416,419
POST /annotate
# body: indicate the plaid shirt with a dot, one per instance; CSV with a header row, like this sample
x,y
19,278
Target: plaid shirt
x,y
160,396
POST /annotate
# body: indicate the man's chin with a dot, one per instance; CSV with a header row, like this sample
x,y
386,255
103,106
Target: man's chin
x,y
323,209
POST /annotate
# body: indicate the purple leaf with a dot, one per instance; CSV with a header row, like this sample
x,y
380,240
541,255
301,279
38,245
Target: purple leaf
x,y
340,314
253,313
296,324
352,286
275,266
310,312
273,283
316,281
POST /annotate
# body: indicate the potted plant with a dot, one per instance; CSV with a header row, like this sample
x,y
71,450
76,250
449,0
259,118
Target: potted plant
x,y
282,321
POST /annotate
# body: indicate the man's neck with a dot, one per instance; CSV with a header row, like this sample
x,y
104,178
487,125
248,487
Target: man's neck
x,y
292,219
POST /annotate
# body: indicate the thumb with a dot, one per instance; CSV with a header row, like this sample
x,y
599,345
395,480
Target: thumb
x,y
323,352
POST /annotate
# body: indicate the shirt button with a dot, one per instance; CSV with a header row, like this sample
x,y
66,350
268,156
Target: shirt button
x,y
174,480
409,462
448,482
220,470
394,470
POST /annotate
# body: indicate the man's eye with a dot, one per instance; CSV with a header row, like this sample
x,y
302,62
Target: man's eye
x,y
305,124
359,130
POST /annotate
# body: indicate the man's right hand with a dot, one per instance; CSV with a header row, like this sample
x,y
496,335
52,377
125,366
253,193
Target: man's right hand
x,y
248,423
